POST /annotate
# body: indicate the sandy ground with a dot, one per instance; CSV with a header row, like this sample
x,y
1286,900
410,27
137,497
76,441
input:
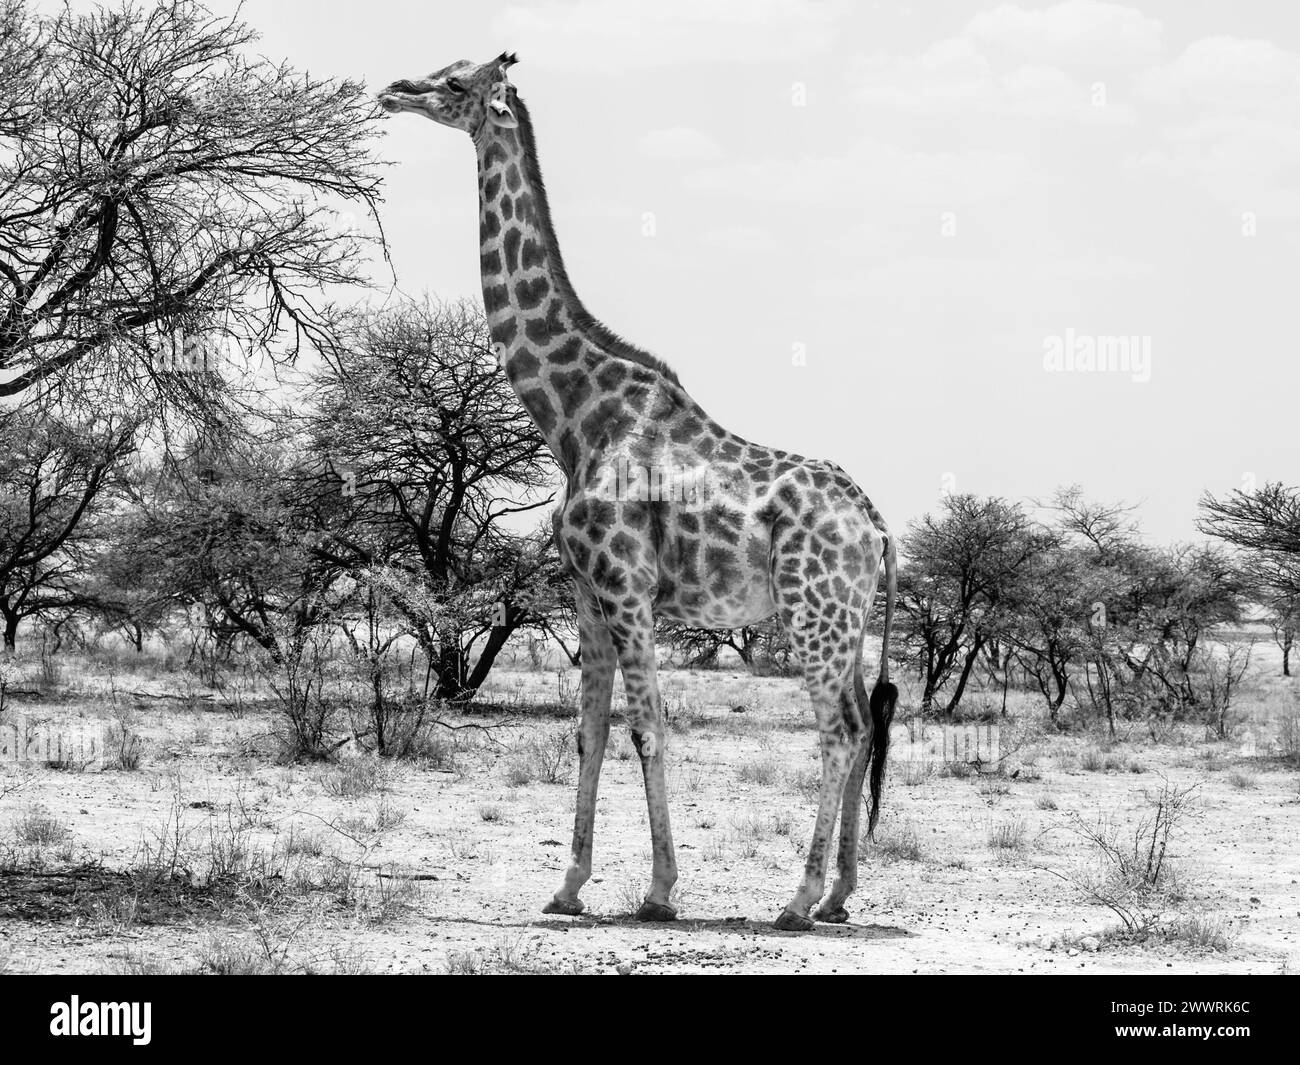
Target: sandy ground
x,y
443,863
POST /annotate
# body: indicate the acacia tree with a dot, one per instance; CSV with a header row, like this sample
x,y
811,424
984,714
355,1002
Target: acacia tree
x,y
960,587
1284,623
1196,589
699,648
235,540
157,177
1153,614
22,66
1265,527
420,432
763,647
1049,632
122,589
1119,571
56,473
1266,522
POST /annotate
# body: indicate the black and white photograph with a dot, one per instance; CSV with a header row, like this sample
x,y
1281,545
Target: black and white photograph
x,y
647,487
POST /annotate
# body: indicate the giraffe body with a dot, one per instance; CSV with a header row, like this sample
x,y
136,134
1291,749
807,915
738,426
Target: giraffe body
x,y
667,514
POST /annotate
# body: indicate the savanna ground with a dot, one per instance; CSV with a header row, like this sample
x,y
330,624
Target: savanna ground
x,y
194,850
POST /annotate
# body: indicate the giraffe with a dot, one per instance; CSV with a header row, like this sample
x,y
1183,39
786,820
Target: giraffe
x,y
667,514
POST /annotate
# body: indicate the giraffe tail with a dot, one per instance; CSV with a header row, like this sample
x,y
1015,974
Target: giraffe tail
x,y
884,695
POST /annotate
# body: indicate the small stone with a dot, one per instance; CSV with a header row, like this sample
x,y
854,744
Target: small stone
x,y
1073,952
624,968
1091,944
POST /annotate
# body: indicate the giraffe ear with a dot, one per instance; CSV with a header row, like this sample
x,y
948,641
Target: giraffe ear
x,y
500,115
499,112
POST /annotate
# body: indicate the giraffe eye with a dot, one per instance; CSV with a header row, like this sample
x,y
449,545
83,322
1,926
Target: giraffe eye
x,y
455,86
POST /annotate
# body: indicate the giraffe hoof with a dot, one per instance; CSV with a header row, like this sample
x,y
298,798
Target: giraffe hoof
x,y
568,907
655,911
836,916
789,921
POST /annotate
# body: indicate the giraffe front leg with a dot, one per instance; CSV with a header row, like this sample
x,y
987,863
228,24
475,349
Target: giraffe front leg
x,y
598,662
634,638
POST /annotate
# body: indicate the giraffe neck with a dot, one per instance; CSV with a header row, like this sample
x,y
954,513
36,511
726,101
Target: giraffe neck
x,y
568,370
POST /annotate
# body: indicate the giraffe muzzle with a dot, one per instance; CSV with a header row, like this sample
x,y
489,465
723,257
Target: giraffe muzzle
x,y
400,95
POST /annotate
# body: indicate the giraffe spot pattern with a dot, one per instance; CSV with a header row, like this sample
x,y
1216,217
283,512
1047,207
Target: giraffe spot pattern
x,y
538,404
534,254
530,292
567,352
511,246
573,388
544,330
522,366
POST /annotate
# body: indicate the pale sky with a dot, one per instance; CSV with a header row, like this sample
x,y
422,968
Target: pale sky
x,y
921,196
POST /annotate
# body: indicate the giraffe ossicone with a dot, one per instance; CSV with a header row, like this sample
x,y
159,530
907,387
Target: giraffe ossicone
x,y
764,532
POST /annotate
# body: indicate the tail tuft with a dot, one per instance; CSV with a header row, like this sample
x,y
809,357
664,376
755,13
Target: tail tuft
x,y
884,697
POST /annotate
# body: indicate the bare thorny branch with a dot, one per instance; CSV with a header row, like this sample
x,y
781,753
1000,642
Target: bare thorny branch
x,y
154,177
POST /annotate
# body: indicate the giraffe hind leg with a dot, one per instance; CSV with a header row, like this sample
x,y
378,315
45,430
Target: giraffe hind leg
x,y
828,668
846,878
823,586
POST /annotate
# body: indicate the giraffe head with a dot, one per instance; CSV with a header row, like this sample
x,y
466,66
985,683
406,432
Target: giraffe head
x,y
464,95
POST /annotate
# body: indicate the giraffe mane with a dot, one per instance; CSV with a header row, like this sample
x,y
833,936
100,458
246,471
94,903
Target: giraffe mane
x,y
584,321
